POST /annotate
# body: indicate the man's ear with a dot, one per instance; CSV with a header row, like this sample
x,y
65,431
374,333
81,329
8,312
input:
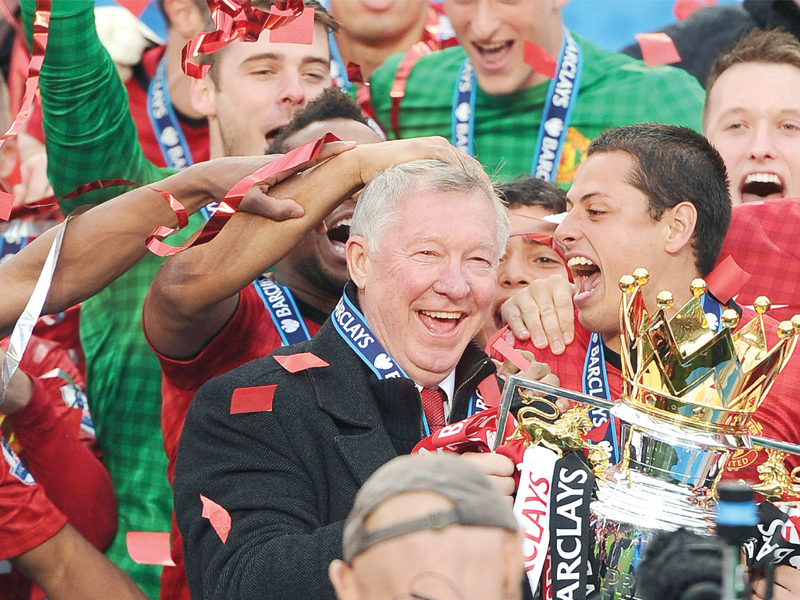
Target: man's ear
x,y
203,96
343,580
681,221
356,253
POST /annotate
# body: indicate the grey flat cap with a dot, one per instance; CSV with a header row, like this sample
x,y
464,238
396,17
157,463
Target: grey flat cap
x,y
475,500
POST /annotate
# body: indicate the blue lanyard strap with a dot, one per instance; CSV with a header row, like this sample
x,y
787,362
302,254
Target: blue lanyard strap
x,y
562,96
164,121
352,326
713,310
595,383
281,306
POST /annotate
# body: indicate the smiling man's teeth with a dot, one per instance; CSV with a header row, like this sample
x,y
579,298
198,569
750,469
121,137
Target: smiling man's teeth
x,y
762,178
438,314
577,261
492,47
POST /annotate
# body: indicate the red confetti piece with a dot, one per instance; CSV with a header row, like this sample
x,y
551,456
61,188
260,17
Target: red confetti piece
x,y
538,59
299,362
298,31
490,391
6,204
683,9
252,399
236,20
354,73
149,548
511,354
726,279
657,49
218,517
230,204
489,349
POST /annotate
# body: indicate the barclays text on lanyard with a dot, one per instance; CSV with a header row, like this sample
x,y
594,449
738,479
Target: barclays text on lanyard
x,y
283,310
350,323
169,135
561,99
595,382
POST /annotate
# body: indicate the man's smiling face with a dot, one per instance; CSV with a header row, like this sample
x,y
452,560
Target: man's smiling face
x,y
493,34
608,232
753,119
428,287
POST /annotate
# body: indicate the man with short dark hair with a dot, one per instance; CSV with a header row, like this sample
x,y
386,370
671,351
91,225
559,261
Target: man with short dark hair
x,y
649,196
752,115
530,254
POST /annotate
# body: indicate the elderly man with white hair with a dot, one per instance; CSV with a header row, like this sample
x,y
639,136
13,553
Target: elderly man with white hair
x,y
273,453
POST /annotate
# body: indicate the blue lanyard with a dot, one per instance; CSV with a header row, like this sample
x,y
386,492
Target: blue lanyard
x,y
282,309
352,326
8,248
713,310
595,383
169,134
338,68
561,99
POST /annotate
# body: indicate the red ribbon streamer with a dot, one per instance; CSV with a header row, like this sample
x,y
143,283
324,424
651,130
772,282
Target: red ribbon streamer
x,y
41,26
236,20
230,203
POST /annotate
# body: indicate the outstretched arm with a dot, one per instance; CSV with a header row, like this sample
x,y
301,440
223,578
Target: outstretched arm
x,y
196,292
66,567
107,240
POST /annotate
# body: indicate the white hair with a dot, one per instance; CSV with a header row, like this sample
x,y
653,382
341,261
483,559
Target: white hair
x,y
378,205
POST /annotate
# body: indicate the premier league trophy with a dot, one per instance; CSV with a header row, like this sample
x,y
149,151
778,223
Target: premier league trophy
x,y
689,391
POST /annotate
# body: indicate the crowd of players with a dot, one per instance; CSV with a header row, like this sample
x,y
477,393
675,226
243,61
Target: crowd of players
x,y
255,472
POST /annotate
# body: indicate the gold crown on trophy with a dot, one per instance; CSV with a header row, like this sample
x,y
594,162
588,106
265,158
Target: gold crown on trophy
x,y
681,370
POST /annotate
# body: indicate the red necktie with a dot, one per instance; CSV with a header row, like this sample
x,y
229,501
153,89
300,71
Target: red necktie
x,y
433,406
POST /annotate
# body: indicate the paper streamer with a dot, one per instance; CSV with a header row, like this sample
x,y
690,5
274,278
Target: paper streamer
x,y
41,26
236,20
298,31
683,9
23,329
218,517
657,49
726,279
252,399
354,73
230,203
511,354
299,362
149,548
538,59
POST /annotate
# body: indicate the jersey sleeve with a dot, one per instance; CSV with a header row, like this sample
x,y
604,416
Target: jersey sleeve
x,y
28,518
89,132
